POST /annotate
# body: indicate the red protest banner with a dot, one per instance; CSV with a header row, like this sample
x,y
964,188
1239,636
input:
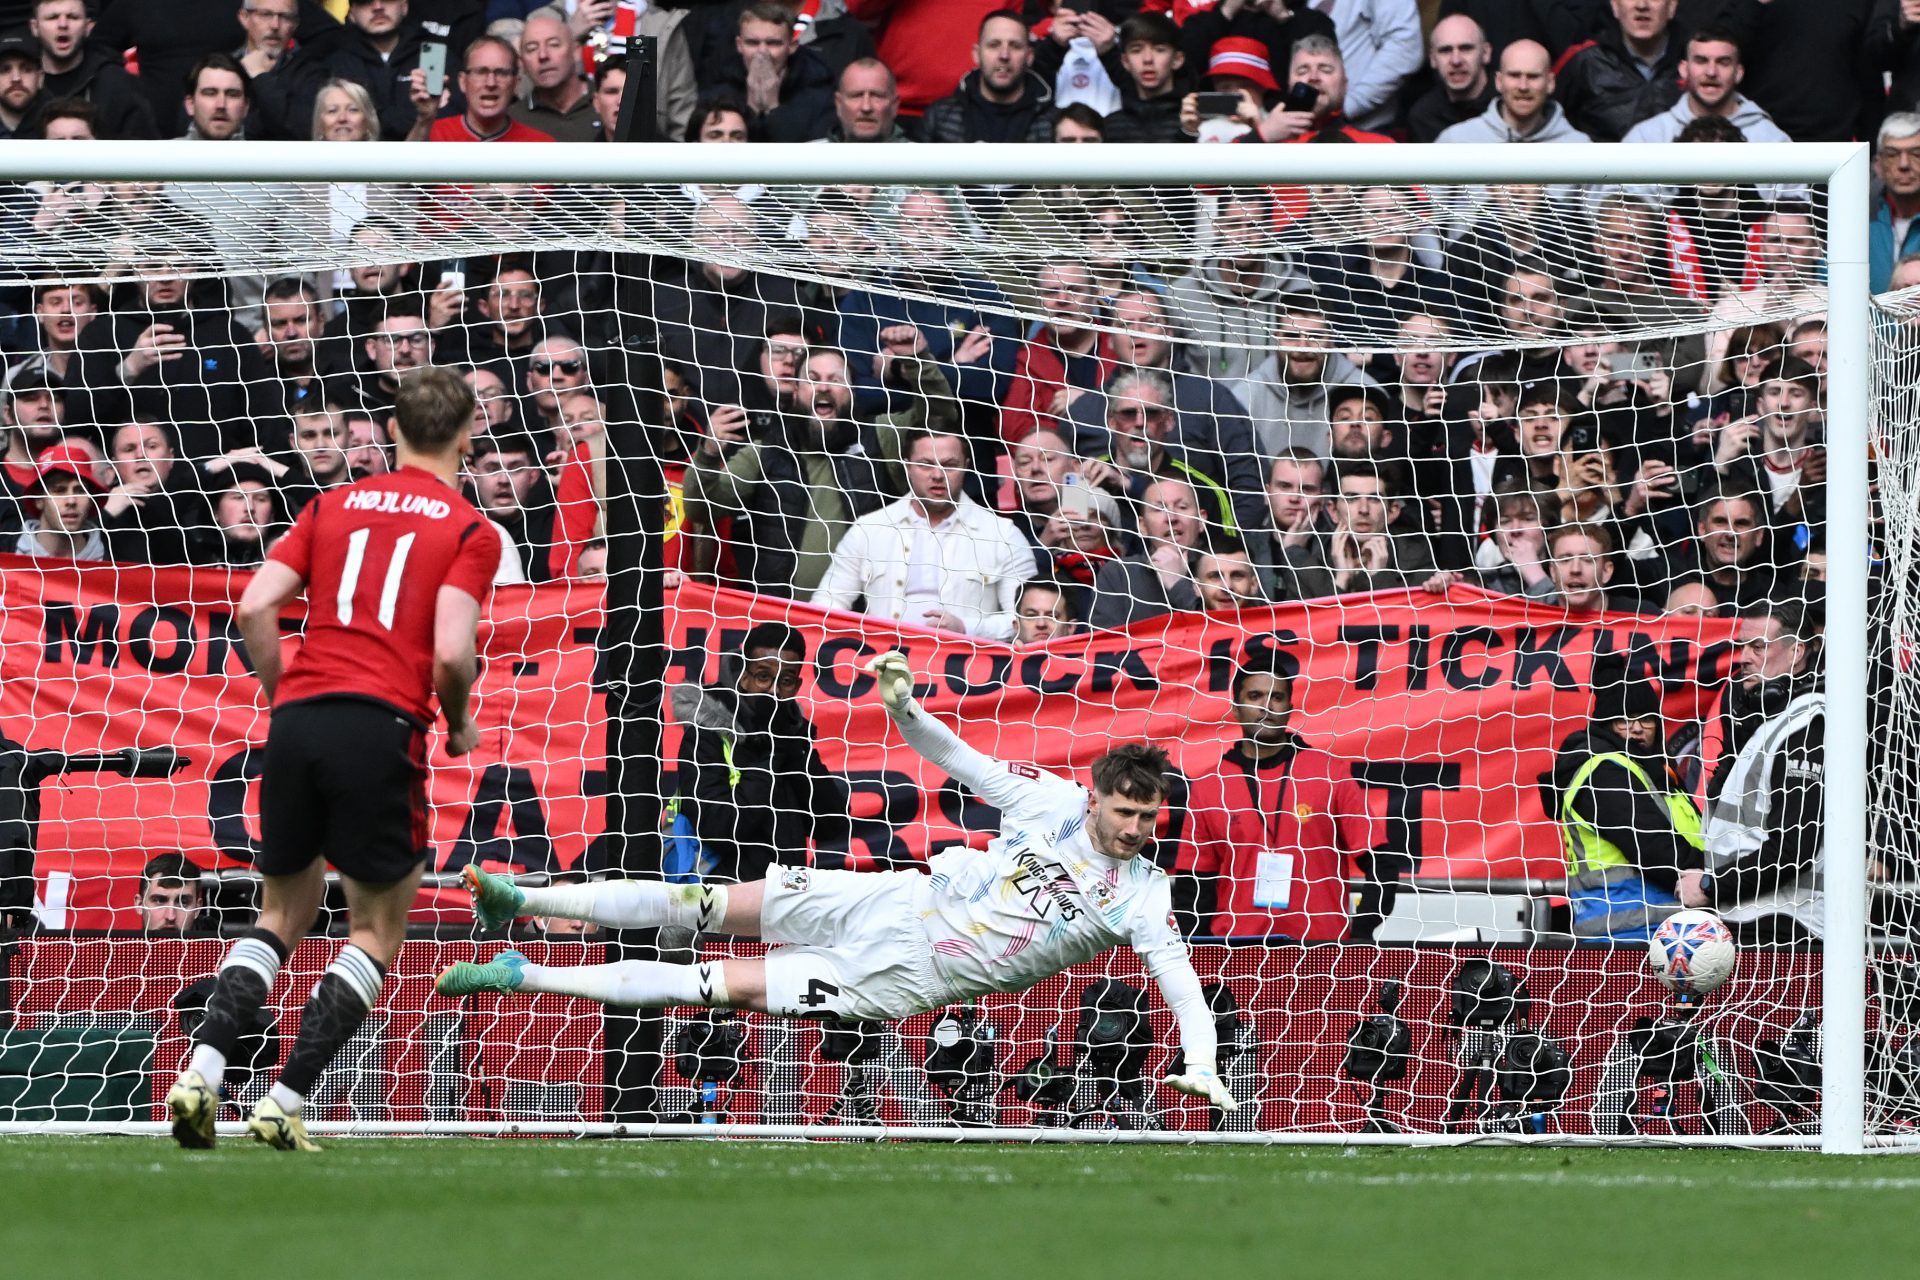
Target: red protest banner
x,y
1449,707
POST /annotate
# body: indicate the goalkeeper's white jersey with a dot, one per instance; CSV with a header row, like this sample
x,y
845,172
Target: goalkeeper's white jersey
x,y
1040,897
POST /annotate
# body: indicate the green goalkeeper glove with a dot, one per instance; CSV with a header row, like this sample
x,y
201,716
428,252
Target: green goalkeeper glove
x,y
896,681
1199,1080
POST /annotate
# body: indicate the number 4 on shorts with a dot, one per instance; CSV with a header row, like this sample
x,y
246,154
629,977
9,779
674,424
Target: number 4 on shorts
x,y
819,990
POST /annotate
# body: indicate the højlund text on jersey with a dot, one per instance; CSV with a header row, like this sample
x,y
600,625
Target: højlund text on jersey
x,y
387,501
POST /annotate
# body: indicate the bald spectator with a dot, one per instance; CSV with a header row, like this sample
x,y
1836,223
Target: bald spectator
x,y
1459,54
1524,110
866,105
1711,75
559,101
1630,70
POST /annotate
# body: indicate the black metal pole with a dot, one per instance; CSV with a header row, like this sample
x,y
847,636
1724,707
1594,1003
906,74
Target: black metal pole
x,y
639,113
631,676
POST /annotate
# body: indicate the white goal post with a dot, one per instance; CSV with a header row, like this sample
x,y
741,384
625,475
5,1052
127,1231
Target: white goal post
x,y
1842,171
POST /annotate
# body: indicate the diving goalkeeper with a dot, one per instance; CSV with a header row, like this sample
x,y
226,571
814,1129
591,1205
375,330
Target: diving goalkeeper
x,y
1063,882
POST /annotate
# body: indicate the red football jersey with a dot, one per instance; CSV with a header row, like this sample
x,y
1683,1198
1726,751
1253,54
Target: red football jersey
x,y
375,554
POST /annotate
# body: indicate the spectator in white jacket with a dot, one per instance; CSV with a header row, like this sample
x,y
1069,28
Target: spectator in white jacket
x,y
1383,48
935,558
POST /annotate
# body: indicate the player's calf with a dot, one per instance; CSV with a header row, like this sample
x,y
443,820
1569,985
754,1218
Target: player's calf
x,y
617,904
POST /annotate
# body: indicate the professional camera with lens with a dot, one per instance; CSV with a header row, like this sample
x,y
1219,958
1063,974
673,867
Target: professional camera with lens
x,y
1110,1056
1379,1050
962,1063
1485,1001
1532,1077
1786,1076
855,1045
708,1051
1044,1084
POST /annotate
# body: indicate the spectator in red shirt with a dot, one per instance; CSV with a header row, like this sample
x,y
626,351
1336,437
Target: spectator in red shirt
x,y
487,78
1276,830
1065,356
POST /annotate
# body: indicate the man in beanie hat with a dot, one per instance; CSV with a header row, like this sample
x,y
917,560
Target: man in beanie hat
x,y
1627,824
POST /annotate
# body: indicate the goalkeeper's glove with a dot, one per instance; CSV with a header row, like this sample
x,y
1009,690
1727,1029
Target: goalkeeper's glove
x,y
1201,1081
895,678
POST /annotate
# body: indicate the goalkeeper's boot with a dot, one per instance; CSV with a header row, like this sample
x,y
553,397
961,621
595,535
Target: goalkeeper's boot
x,y
496,899
501,974
193,1106
271,1124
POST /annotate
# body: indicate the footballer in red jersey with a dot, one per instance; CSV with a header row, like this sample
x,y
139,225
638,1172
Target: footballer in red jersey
x,y
395,568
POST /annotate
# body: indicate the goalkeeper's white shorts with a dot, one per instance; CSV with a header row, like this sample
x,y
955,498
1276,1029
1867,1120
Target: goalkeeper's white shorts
x,y
849,944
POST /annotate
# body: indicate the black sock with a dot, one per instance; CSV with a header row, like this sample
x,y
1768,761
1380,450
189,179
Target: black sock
x,y
239,990
334,1012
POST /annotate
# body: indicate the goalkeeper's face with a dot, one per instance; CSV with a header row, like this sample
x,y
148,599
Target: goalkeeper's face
x,y
1120,826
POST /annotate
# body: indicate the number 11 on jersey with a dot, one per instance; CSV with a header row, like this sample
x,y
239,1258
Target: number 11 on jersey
x,y
350,576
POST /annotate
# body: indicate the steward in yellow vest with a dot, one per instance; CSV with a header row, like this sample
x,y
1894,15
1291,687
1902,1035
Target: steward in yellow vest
x,y
1627,824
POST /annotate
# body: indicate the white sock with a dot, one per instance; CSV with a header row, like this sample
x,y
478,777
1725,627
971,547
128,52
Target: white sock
x,y
210,1063
647,983
633,904
290,1102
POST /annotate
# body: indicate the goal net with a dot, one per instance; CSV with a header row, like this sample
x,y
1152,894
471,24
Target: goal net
x,y
1464,545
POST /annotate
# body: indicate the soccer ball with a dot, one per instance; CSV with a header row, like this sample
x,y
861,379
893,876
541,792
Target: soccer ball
x,y
1691,952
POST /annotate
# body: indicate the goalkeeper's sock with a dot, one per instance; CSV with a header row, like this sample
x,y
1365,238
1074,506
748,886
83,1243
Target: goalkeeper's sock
x,y
647,983
632,904
334,1012
244,980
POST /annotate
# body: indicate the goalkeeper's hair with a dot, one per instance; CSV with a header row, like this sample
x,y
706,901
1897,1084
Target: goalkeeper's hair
x,y
1134,770
431,407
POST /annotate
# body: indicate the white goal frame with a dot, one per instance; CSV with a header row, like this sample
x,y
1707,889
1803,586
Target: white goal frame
x,y
1843,168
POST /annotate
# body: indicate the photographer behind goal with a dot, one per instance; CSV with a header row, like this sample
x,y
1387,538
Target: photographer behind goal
x,y
1063,882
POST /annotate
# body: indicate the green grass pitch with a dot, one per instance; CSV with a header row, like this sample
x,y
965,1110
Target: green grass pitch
x,y
137,1207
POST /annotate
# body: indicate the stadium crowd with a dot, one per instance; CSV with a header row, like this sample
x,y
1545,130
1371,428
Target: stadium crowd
x,y
1430,400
